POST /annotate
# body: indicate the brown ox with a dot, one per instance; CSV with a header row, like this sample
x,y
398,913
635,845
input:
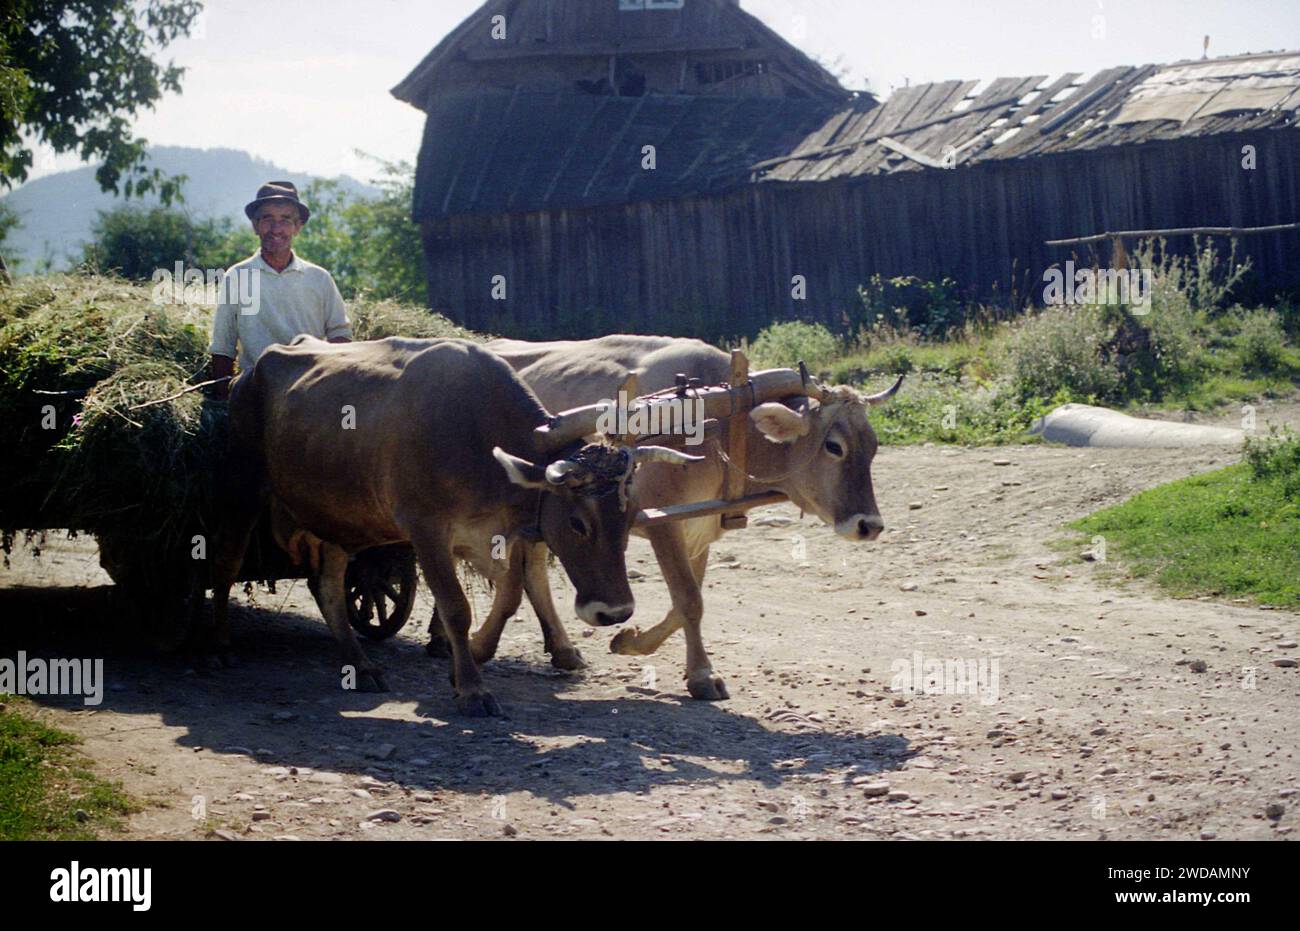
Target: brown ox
x,y
818,454
366,444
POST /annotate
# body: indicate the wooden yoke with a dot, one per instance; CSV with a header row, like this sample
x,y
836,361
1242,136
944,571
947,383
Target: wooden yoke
x,y
627,395
729,403
719,403
737,446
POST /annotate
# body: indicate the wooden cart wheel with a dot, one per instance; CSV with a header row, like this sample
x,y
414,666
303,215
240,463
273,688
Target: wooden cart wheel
x,y
380,586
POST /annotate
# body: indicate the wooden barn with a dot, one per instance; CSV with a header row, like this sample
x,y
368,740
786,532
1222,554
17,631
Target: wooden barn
x,y
675,166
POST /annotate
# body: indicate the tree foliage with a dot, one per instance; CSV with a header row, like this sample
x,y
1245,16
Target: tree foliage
x,y
134,242
369,245
9,221
73,73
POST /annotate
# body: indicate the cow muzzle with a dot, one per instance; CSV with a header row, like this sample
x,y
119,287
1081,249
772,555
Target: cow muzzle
x,y
599,614
861,527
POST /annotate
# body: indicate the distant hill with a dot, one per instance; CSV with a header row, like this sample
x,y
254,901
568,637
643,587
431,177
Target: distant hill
x,y
57,210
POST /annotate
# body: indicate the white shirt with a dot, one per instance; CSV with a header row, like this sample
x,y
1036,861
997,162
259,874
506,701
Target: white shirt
x,y
259,307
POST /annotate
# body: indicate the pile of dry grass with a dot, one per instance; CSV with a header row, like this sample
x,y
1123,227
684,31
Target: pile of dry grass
x,y
381,319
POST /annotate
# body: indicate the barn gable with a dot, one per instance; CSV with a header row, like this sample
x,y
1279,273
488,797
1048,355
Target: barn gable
x,y
617,48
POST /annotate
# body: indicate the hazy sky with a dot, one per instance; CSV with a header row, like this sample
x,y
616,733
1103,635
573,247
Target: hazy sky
x,y
304,83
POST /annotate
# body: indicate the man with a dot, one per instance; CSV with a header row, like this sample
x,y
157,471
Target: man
x,y
291,296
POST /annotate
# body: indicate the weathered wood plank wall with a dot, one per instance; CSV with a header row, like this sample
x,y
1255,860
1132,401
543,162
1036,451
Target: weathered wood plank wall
x,y
723,266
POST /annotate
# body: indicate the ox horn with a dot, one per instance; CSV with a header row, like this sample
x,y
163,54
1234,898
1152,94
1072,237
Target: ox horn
x,y
644,454
875,400
557,472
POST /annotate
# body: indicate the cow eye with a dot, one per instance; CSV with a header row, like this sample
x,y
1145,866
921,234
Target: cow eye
x,y
578,526
835,449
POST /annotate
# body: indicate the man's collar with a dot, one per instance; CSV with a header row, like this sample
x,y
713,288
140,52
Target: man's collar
x,y
295,264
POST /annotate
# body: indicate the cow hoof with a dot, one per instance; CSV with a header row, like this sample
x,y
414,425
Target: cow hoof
x,y
438,648
478,705
624,642
708,688
568,659
371,680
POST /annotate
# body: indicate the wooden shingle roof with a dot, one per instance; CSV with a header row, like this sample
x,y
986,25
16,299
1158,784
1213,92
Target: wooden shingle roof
x,y
953,123
512,152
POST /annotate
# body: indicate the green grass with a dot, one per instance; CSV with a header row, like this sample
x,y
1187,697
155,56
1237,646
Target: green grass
x,y
1226,533
935,408
962,390
45,781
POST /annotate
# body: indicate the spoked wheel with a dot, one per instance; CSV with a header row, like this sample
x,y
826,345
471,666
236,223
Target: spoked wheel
x,y
380,586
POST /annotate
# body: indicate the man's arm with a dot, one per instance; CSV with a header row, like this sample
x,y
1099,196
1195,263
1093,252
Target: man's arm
x,y
225,343
221,367
337,327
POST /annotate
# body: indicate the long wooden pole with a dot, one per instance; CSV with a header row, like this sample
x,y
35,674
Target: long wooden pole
x,y
1187,231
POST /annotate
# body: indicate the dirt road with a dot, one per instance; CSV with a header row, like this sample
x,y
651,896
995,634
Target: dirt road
x,y
1098,724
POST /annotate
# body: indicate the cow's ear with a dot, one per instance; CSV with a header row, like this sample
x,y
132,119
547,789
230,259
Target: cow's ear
x,y
521,471
778,423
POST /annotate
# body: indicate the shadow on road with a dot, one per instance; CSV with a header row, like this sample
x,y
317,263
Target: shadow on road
x,y
564,736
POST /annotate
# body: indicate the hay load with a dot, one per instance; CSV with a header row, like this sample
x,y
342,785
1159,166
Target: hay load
x,y
106,432
75,354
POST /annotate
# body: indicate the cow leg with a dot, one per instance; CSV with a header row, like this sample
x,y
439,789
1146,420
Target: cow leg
x,y
509,591
564,655
333,604
434,555
684,575
633,641
437,647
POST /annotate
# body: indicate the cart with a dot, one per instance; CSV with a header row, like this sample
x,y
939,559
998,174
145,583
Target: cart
x,y
380,584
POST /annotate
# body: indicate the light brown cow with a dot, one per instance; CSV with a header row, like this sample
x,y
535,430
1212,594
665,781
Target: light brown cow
x,y
366,444
818,454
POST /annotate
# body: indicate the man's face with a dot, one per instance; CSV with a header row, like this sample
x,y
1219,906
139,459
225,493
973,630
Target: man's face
x,y
276,225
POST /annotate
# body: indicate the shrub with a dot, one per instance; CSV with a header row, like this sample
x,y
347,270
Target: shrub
x,y
931,308
1276,458
1200,282
1288,312
134,241
939,408
1261,341
896,358
785,345
1063,350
